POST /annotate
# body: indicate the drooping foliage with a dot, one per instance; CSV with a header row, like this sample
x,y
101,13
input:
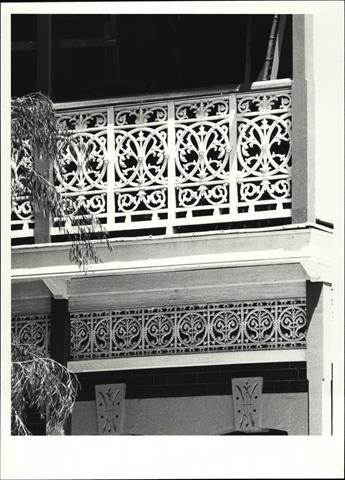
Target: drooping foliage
x,y
42,384
37,142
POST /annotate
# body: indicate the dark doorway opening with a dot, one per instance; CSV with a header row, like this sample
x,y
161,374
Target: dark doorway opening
x,y
100,56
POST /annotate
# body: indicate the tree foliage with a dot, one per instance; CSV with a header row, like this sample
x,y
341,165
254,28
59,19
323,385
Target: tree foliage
x,y
37,143
40,383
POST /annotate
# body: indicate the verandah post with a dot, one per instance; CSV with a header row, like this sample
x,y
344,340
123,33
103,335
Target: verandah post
x,y
303,129
60,333
44,84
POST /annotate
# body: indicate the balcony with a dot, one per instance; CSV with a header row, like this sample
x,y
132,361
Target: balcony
x,y
212,160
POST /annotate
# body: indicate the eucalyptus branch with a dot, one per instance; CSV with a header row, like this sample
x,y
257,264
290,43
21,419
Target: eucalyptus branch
x,y
78,224
39,138
18,426
42,383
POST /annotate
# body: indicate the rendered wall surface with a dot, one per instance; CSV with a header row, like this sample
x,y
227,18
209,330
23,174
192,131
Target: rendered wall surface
x,y
202,415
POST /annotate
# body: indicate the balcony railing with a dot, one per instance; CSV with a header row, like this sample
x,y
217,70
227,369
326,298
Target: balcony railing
x,y
172,330
176,162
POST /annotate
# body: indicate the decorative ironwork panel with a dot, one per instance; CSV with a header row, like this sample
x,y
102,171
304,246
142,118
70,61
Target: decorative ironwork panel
x,y
264,151
137,115
32,329
81,172
174,163
141,164
202,108
22,221
81,120
110,403
202,157
212,327
246,395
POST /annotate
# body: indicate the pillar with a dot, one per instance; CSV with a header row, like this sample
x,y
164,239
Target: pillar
x,y
303,128
60,340
44,55
319,357
60,330
43,85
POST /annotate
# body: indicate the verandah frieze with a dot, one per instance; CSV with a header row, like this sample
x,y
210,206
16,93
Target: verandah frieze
x,y
211,327
181,329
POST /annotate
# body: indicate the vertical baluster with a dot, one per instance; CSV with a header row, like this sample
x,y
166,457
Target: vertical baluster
x,y
233,157
110,170
171,168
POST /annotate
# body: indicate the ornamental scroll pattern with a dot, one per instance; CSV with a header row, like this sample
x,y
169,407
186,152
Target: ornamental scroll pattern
x,y
141,162
202,154
22,217
33,329
274,324
174,163
81,173
264,150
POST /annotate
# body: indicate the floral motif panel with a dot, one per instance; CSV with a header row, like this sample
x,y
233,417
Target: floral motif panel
x,y
203,146
22,217
222,159
264,151
141,164
31,329
233,326
81,173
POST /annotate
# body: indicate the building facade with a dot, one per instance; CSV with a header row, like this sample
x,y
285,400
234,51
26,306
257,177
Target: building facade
x,y
212,314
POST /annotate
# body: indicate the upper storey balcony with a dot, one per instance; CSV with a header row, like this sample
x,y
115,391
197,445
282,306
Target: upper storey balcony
x,y
160,165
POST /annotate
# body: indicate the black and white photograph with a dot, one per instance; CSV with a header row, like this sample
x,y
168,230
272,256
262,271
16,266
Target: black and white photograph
x,y
172,239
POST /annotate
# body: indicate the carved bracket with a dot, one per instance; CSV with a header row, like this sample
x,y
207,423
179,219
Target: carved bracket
x,y
110,403
246,395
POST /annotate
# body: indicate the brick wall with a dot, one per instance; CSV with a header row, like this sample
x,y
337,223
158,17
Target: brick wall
x,y
284,377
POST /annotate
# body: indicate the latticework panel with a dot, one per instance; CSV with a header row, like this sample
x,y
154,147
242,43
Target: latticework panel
x,y
22,216
264,151
174,163
212,327
81,174
32,329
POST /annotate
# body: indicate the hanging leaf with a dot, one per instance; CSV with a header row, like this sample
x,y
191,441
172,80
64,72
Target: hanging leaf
x,y
39,139
40,383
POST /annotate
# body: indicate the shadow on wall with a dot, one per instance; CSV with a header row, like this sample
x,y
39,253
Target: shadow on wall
x,y
264,431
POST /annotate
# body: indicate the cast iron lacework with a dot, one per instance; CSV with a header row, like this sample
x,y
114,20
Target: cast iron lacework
x,y
259,325
174,163
32,329
22,212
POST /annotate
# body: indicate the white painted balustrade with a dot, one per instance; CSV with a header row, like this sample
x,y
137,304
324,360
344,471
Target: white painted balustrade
x,y
164,164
